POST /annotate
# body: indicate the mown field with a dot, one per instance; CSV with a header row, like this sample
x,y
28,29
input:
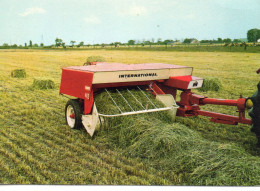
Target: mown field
x,y
37,147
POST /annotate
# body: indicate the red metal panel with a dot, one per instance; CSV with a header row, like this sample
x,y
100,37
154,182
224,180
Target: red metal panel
x,y
180,82
74,82
156,90
167,89
88,104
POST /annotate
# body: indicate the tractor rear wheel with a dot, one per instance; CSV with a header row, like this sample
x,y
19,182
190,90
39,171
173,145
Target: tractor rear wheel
x,y
73,112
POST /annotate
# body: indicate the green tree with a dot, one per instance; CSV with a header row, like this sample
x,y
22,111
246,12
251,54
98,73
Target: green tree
x,y
147,42
41,44
253,35
205,41
167,41
159,41
187,40
25,44
131,42
117,44
227,40
58,42
220,40
81,44
30,43
237,41
72,42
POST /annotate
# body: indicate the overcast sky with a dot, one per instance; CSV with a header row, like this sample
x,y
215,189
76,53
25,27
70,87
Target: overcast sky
x,y
106,21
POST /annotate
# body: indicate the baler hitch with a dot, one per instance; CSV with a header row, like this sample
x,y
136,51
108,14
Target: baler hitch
x,y
190,102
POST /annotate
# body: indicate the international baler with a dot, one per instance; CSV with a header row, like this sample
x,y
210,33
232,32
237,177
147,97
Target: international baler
x,y
83,83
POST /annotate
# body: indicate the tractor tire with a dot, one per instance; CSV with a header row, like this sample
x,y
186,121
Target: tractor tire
x,y
73,113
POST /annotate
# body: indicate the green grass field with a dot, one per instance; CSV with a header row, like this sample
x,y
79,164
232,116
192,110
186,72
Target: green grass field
x,y
37,147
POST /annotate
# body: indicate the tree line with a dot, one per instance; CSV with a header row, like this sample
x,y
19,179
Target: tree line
x,y
253,35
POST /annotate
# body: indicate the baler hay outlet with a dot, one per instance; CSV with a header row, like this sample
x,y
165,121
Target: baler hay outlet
x,y
83,83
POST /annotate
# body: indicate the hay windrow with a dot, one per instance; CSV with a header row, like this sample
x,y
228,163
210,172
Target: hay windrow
x,y
43,84
18,73
176,149
94,59
211,84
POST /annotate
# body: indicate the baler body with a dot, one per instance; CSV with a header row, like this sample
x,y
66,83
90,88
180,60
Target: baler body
x,y
78,81
82,82
162,80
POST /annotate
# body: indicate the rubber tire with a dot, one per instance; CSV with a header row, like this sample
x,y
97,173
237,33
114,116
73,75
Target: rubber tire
x,y
78,111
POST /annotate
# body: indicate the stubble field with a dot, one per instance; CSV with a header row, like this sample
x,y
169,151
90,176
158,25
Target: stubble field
x,y
37,147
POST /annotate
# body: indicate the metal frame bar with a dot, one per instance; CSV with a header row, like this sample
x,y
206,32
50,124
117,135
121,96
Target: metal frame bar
x,y
146,96
113,100
125,100
136,112
151,86
135,98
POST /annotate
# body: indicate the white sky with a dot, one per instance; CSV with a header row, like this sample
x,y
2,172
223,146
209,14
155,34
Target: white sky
x,y
106,21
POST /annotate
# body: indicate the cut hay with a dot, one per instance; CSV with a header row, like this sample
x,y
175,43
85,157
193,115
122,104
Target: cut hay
x,y
43,84
122,103
18,73
176,150
94,59
211,84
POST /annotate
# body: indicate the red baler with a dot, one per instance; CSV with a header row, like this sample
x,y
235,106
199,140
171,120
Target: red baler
x,y
163,80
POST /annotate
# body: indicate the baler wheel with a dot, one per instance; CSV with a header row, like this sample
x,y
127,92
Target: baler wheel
x,y
73,114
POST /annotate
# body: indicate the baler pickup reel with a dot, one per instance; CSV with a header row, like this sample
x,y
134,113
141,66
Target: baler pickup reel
x,y
128,102
145,108
120,82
